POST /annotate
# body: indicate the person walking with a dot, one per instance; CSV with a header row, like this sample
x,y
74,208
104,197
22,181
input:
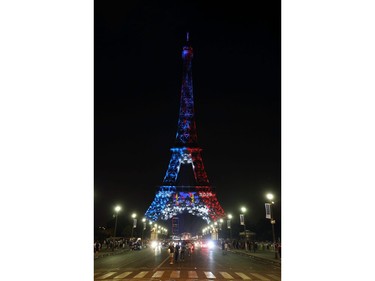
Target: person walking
x,y
176,252
226,246
182,251
171,252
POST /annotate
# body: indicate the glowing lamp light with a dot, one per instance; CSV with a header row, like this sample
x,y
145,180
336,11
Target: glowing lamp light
x,y
154,244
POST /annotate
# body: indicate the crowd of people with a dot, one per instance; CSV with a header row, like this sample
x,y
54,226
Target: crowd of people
x,y
118,243
178,251
253,246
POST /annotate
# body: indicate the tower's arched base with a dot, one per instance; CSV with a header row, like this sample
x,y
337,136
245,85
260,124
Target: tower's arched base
x,y
171,201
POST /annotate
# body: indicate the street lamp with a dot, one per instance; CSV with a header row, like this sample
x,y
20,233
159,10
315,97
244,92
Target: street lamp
x,y
215,231
134,215
220,227
117,209
272,219
242,221
229,226
144,226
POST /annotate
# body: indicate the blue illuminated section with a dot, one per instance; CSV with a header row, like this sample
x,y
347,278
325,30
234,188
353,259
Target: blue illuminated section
x,y
169,203
158,206
174,166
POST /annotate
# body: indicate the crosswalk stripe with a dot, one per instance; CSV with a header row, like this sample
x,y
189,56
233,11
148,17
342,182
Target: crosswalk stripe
x,y
260,277
106,275
209,274
274,276
141,274
175,274
123,275
243,276
192,274
158,274
226,275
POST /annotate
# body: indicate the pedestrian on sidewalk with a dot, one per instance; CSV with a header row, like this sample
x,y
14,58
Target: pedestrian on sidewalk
x,y
226,246
97,248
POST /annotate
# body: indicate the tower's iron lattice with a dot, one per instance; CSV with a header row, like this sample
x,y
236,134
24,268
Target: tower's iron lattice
x,y
173,198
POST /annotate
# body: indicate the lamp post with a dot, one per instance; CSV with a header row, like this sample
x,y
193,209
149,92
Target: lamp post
x,y
144,227
215,231
220,227
155,232
229,226
273,221
117,209
242,221
134,215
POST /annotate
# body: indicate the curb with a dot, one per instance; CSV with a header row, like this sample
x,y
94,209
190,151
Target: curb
x,y
101,255
276,262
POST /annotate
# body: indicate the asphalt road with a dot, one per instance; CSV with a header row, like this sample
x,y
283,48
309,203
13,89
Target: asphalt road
x,y
203,264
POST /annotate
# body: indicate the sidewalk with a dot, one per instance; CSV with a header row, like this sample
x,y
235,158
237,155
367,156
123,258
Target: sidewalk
x,y
266,255
109,252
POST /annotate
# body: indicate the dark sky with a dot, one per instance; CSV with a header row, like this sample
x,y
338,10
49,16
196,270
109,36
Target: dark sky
x,y
237,92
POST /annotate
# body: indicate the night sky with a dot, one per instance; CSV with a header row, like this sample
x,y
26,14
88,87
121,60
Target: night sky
x,y
237,94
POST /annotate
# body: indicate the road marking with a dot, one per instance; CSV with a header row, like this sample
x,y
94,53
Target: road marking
x,y
226,275
175,274
166,259
158,274
106,275
192,274
209,274
260,277
123,275
243,276
141,274
274,276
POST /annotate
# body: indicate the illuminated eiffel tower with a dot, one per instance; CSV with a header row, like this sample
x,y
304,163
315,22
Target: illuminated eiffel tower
x,y
173,196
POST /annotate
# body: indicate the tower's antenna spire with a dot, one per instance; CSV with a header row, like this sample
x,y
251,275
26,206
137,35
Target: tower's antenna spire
x,y
187,36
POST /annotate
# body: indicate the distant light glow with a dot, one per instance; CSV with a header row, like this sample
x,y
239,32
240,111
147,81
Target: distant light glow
x,y
210,244
154,244
269,196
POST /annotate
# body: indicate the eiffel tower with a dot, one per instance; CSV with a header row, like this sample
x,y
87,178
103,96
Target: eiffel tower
x,y
173,197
